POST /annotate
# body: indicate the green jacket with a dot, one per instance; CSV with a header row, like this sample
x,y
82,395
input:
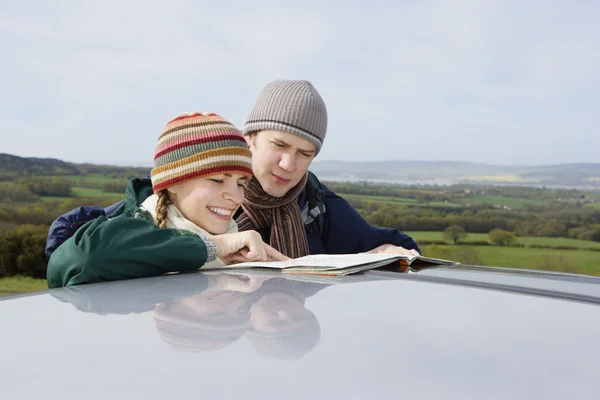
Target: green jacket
x,y
129,245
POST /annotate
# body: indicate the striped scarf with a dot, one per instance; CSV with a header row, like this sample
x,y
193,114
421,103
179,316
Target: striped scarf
x,y
281,215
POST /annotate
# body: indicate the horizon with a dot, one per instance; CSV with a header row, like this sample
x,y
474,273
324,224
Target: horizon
x,y
340,161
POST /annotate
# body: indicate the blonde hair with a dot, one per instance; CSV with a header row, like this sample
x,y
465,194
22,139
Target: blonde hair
x,y
161,208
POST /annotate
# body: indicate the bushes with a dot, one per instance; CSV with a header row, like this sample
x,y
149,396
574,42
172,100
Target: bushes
x,y
554,247
586,233
43,186
33,213
500,237
454,233
22,251
17,194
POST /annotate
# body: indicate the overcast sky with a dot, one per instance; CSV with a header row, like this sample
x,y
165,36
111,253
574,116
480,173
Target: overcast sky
x,y
498,82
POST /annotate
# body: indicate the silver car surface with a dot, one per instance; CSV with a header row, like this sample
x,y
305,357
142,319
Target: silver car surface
x,y
441,333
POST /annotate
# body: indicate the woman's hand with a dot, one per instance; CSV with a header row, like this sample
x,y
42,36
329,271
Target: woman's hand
x,y
243,247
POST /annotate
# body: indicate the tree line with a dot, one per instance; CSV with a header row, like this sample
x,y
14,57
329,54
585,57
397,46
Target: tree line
x,y
429,193
564,222
556,213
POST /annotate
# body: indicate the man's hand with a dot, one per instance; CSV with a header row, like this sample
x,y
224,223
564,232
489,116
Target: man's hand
x,y
391,249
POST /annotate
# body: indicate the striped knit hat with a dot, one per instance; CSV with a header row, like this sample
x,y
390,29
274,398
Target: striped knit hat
x,y
196,145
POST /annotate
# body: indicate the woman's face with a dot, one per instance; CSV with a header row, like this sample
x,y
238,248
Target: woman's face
x,y
211,201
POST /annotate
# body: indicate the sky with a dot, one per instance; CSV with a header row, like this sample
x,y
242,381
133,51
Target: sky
x,y
497,82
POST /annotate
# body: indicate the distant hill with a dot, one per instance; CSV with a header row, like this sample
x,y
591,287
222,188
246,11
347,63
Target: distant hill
x,y
18,166
451,172
11,164
403,172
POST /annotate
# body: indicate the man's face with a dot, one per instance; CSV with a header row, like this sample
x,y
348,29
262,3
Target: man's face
x,y
279,160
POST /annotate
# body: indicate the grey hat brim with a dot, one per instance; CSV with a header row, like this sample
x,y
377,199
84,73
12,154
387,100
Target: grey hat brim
x,y
262,125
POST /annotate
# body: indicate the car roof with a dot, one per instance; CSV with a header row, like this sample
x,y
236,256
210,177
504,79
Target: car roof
x,y
451,332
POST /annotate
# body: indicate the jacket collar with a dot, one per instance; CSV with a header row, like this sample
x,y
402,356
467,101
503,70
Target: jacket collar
x,y
138,190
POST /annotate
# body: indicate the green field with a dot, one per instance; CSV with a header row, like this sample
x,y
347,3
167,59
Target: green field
x,y
90,192
96,179
577,261
457,203
83,186
85,192
528,240
19,284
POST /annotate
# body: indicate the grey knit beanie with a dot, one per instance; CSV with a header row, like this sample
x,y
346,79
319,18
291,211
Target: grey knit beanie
x,y
292,106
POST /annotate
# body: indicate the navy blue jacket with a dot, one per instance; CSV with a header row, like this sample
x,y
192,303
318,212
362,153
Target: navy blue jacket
x,y
347,232
65,225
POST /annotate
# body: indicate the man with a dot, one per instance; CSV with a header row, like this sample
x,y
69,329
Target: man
x,y
285,131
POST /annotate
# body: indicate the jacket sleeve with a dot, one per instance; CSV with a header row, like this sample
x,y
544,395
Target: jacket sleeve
x,y
348,232
62,228
122,248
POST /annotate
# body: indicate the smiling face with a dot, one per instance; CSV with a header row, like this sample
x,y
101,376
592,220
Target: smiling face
x,y
211,201
279,160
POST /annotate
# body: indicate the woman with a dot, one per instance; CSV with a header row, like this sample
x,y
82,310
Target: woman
x,y
177,221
